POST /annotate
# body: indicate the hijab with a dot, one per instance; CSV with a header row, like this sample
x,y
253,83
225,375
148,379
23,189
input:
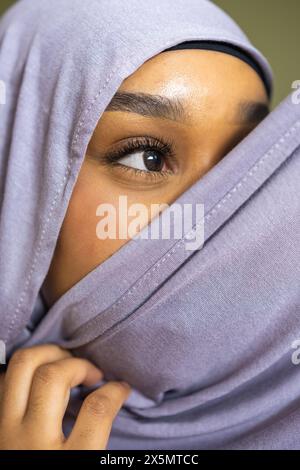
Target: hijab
x,y
203,336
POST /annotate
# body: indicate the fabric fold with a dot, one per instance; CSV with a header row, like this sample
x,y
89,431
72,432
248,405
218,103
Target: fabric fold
x,y
204,337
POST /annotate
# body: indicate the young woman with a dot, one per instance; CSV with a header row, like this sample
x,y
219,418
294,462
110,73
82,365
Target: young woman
x,y
107,100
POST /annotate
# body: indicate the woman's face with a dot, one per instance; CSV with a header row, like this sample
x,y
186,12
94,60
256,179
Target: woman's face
x,y
168,124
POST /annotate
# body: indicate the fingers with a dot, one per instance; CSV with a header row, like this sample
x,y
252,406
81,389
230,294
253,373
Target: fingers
x,y
93,425
50,391
18,378
35,395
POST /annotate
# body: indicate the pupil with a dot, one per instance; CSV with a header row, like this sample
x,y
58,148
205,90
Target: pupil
x,y
153,161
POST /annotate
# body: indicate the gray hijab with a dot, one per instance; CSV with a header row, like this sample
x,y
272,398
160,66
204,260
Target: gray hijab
x,y
204,337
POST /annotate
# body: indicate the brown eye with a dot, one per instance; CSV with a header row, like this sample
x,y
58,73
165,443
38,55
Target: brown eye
x,y
144,157
145,160
153,161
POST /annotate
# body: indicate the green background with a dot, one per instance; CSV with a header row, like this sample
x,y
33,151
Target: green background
x,y
273,26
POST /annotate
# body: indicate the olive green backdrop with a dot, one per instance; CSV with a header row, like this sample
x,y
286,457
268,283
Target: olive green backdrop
x,y
274,27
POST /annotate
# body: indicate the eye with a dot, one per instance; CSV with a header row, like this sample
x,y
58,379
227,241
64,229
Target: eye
x,y
146,160
143,156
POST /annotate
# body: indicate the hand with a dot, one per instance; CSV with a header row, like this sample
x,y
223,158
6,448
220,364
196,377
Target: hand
x,y
34,394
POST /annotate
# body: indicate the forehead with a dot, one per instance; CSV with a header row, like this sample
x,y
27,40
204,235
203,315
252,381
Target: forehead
x,y
198,73
189,85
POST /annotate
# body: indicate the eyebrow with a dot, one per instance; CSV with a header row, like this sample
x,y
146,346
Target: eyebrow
x,y
251,112
156,106
162,107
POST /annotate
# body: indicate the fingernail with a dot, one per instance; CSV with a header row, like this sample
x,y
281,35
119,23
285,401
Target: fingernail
x,y
98,372
125,384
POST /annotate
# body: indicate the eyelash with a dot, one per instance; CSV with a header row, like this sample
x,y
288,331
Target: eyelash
x,y
164,146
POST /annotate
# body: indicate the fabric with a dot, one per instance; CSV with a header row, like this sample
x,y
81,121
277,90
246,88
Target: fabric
x,y
204,337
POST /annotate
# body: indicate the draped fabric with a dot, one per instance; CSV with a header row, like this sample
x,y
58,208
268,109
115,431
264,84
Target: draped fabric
x,y
205,337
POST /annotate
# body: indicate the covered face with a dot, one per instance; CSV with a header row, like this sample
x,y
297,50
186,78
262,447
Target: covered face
x,y
168,124
186,328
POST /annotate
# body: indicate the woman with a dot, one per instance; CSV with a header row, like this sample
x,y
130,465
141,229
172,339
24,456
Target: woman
x,y
101,104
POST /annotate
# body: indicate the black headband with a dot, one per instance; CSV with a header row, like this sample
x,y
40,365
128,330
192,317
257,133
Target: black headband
x,y
228,49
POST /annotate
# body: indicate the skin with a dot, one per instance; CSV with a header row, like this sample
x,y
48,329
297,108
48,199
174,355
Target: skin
x,y
221,100
34,393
